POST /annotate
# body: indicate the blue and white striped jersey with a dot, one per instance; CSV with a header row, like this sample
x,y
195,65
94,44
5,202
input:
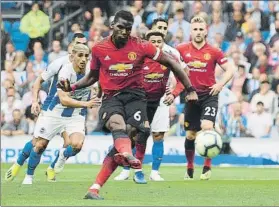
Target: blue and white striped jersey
x,y
51,73
56,108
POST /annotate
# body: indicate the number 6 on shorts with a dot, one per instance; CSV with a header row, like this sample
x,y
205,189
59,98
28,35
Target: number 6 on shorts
x,y
137,116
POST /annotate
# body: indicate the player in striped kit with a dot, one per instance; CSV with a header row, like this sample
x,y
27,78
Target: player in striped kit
x,y
65,111
51,73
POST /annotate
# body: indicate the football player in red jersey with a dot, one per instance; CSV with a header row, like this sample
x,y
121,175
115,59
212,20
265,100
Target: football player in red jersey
x,y
117,64
201,59
156,78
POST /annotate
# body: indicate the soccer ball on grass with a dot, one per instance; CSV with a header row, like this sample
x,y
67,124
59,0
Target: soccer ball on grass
x,y
208,143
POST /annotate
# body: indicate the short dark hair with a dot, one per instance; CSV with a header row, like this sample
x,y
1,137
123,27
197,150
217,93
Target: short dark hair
x,y
153,33
260,103
265,81
126,15
241,66
9,43
78,35
155,21
16,110
180,10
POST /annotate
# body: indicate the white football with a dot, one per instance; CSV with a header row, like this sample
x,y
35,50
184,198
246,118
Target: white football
x,y
208,143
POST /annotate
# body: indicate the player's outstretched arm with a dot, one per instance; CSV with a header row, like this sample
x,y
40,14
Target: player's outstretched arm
x,y
67,101
88,80
35,108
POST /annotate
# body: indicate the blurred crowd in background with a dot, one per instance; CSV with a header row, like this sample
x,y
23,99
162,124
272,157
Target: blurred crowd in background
x,y
246,31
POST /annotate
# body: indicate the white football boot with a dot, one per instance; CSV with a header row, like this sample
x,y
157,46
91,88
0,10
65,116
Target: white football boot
x,y
124,175
28,180
155,176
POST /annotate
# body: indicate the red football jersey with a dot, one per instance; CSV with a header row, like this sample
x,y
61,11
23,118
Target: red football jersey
x,y
121,68
201,63
155,78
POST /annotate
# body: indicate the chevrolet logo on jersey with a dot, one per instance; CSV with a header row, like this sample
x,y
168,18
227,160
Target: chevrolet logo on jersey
x,y
197,64
154,76
121,67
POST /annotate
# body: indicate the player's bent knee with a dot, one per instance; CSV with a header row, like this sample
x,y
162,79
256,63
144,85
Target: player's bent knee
x,y
191,135
77,140
158,136
40,145
116,122
207,125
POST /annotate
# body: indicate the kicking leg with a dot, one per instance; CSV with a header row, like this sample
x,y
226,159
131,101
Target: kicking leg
x,y
125,173
108,167
122,142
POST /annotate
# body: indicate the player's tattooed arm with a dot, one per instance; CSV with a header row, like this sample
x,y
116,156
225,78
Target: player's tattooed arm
x,y
88,80
67,101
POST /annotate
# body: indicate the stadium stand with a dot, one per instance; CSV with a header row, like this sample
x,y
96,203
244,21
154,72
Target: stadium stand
x,y
239,40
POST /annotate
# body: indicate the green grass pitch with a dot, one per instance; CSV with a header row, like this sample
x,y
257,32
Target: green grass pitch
x,y
228,187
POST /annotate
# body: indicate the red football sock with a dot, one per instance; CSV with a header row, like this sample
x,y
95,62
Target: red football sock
x,y
123,145
190,155
207,162
109,166
140,151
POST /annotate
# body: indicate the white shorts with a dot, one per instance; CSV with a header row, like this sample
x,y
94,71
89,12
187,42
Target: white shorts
x,y
47,126
161,120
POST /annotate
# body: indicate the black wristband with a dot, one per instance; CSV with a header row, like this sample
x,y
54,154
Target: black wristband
x,y
190,89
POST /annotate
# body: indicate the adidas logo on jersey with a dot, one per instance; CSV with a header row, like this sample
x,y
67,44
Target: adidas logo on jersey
x,y
107,58
188,55
146,68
